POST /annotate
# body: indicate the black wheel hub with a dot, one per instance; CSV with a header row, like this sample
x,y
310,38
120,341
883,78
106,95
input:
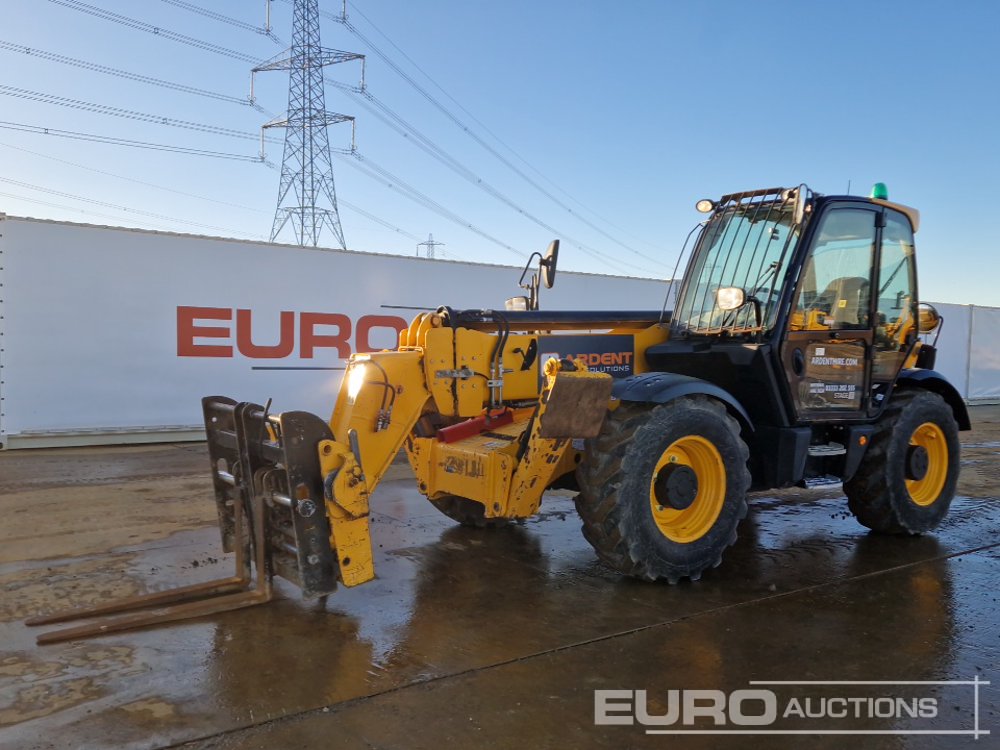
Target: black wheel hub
x,y
676,486
917,462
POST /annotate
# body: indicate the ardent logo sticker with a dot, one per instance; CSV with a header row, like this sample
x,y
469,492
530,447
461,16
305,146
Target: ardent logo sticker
x,y
614,355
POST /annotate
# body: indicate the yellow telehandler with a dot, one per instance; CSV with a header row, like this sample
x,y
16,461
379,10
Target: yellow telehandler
x,y
791,356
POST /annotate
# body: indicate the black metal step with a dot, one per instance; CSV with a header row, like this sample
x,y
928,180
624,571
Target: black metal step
x,y
830,449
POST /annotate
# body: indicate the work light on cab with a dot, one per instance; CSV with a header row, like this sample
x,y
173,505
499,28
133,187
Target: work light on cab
x,y
730,298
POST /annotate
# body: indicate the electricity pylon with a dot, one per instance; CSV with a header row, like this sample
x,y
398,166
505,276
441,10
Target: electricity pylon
x,y
430,245
306,193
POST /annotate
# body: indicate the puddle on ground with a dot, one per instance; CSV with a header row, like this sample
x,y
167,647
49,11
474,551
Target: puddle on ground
x,y
35,686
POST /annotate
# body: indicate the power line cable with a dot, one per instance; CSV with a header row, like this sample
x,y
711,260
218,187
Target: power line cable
x,y
159,31
383,176
387,115
105,109
351,206
105,204
129,179
378,108
219,17
486,128
356,92
115,141
97,68
355,208
200,44
75,209
496,154
163,33
427,145
376,219
468,130
87,212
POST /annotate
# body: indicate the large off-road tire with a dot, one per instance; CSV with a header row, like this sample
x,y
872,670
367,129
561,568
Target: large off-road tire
x,y
466,512
907,477
663,488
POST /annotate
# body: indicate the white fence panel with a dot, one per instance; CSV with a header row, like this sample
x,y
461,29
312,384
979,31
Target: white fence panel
x,y
110,331
953,344
984,355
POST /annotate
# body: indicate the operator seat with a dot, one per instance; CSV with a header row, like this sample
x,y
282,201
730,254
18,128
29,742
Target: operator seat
x,y
847,297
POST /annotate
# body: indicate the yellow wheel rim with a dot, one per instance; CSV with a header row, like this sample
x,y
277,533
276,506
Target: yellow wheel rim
x,y
694,521
931,438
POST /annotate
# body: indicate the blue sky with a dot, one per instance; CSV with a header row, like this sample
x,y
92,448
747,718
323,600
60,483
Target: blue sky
x,y
626,112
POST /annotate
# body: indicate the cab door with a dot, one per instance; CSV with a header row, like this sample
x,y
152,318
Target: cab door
x,y
827,351
895,304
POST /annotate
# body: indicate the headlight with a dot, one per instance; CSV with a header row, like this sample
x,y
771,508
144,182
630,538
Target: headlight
x,y
355,380
730,298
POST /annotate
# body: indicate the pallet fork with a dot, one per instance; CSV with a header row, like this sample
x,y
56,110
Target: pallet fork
x,y
270,532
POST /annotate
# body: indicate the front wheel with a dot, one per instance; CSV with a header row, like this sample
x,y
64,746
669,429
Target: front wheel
x,y
663,488
907,477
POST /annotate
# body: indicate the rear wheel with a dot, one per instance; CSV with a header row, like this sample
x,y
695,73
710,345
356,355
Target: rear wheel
x,y
466,512
663,488
908,475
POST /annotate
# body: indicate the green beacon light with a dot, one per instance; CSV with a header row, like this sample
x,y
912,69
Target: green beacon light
x,y
880,192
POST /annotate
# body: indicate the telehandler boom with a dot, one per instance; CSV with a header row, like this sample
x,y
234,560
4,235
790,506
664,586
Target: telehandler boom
x,y
791,356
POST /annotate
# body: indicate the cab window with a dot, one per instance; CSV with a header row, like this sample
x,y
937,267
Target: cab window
x,y
835,286
896,301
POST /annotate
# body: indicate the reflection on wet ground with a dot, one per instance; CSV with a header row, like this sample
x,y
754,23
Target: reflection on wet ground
x,y
475,637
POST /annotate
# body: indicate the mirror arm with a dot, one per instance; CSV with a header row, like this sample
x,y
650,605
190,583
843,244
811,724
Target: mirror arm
x,y
527,266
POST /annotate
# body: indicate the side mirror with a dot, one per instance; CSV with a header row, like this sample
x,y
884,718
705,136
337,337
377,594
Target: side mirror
x,y
928,319
547,272
548,264
730,298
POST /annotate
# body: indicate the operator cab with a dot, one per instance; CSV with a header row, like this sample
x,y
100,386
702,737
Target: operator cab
x,y
803,306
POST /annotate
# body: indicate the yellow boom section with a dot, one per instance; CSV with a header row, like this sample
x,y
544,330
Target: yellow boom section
x,y
471,427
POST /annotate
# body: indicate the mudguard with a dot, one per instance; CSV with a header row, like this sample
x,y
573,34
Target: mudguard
x,y
933,381
661,387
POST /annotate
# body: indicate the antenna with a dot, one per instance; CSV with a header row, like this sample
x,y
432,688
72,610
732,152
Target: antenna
x,y
306,193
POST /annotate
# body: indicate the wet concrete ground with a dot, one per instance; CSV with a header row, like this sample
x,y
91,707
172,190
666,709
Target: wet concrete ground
x,y
483,638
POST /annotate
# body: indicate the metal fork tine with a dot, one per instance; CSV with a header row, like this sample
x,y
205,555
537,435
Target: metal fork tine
x,y
209,588
206,598
257,460
184,611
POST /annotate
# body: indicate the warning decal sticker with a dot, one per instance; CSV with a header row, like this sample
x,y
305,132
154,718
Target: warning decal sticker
x,y
834,376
